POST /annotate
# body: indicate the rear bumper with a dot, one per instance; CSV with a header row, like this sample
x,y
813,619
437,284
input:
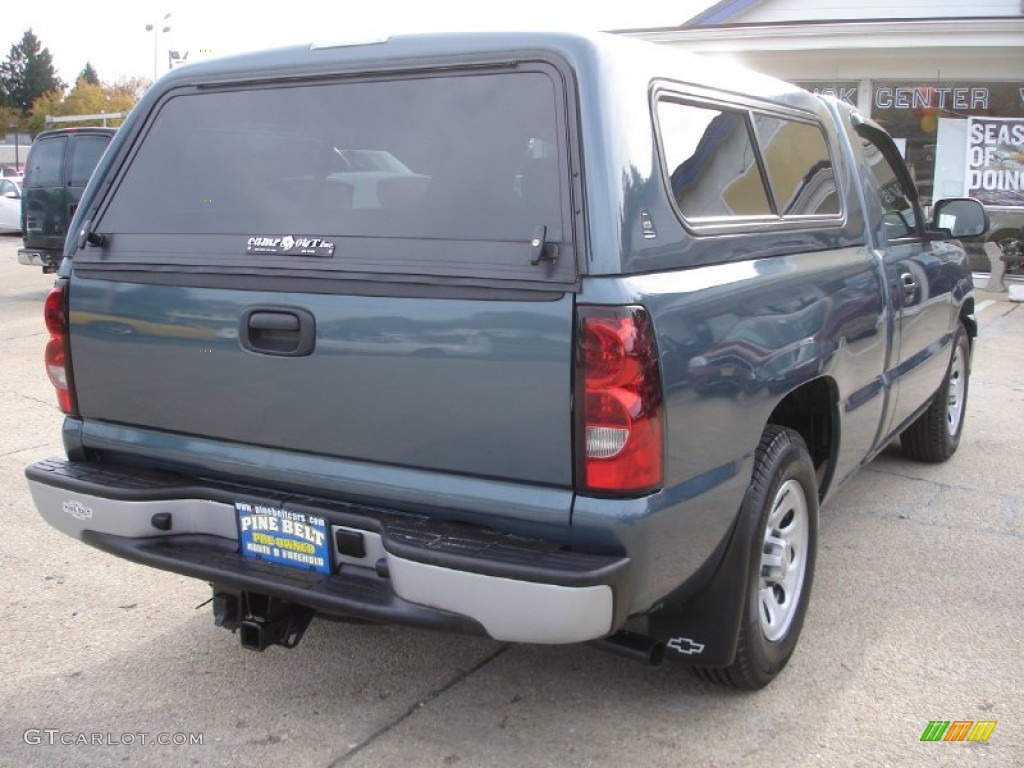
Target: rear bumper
x,y
411,569
35,257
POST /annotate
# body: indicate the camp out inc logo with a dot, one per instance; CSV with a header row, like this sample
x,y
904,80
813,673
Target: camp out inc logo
x,y
958,730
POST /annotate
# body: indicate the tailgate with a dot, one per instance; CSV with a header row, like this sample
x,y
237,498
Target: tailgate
x,y
465,386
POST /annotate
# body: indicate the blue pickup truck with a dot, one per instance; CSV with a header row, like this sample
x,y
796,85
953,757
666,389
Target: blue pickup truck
x,y
549,338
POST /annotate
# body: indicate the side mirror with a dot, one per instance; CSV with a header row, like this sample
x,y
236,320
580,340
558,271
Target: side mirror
x,y
960,217
13,195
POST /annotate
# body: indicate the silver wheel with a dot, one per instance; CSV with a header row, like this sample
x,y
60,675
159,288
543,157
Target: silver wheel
x,y
956,393
783,560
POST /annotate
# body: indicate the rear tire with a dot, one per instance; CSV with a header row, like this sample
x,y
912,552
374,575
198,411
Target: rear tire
x,y
781,507
935,435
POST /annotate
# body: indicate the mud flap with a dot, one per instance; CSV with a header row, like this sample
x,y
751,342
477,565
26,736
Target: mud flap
x,y
702,628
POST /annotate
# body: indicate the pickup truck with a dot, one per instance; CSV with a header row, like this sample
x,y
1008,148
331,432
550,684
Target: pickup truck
x,y
578,365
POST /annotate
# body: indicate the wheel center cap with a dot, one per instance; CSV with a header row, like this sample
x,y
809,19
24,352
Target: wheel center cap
x,y
776,561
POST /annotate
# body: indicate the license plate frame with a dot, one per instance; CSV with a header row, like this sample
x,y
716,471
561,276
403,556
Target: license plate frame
x,y
273,534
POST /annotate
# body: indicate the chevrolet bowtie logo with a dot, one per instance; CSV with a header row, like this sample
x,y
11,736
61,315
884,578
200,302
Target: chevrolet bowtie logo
x,y
685,646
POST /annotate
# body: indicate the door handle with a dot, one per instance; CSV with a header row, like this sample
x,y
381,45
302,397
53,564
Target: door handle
x,y
281,331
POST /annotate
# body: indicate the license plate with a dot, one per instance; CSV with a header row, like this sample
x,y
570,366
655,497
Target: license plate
x,y
281,536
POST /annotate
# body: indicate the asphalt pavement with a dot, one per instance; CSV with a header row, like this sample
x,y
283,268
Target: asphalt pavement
x,y
917,615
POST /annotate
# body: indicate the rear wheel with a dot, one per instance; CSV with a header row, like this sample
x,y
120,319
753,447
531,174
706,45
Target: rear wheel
x,y
781,507
935,435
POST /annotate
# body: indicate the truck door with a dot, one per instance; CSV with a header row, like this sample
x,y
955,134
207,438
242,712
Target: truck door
x,y
919,274
43,203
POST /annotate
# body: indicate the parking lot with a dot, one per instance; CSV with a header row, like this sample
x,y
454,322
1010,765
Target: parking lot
x,y
917,615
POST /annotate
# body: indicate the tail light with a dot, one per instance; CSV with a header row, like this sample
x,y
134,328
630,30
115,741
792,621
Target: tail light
x,y
58,353
619,412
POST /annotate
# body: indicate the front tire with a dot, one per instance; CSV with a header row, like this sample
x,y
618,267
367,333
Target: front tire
x,y
935,435
781,507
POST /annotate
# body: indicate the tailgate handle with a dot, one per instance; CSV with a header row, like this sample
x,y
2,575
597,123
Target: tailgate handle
x,y
285,331
273,321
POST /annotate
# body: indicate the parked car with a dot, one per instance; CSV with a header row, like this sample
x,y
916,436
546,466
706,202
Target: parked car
x,y
10,206
693,302
57,168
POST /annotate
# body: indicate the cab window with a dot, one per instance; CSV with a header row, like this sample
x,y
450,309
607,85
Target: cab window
x,y
900,218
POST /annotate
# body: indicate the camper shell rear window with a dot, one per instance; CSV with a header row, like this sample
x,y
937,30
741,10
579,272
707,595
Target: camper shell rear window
x,y
417,174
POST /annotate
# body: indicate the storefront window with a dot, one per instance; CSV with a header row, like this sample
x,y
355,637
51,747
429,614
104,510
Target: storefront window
x,y
958,138
916,113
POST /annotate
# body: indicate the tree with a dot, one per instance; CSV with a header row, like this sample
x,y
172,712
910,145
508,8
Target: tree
x,y
89,75
87,99
8,117
27,74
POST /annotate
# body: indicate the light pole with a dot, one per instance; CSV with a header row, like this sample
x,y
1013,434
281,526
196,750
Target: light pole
x,y
156,29
17,164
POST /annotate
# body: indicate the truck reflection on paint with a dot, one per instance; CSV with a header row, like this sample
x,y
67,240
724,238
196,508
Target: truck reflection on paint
x,y
762,351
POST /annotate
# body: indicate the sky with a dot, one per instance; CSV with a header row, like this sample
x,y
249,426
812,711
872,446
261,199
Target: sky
x,y
112,36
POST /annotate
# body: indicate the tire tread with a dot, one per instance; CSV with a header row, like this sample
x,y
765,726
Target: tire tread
x,y
927,438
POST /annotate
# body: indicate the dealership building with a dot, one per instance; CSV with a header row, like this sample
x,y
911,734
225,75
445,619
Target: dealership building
x,y
945,78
